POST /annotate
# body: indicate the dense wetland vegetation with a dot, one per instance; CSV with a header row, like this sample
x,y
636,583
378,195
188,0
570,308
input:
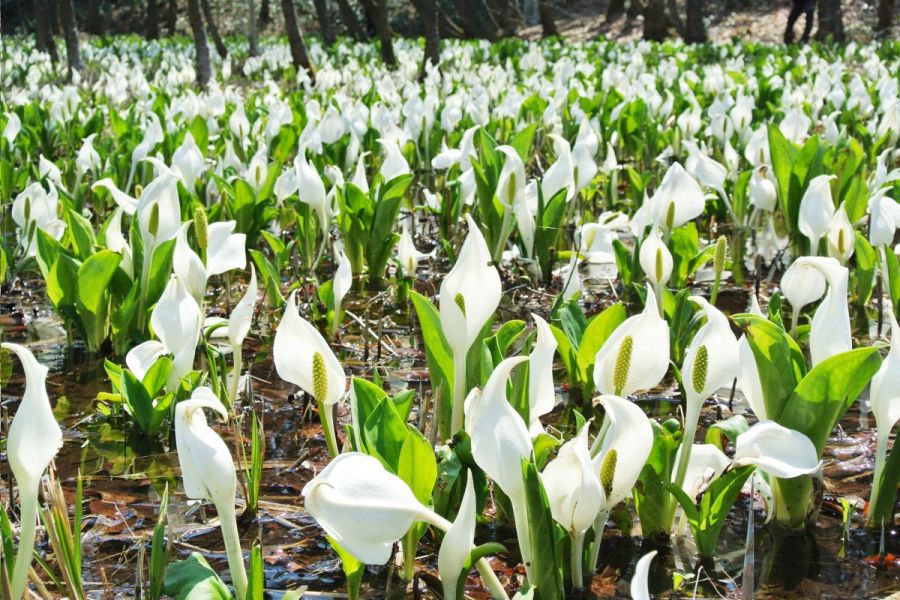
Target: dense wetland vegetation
x,y
555,320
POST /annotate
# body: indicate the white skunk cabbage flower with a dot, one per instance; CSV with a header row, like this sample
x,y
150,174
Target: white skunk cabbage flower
x,y
541,392
470,293
830,332
33,440
636,355
816,211
303,357
640,587
208,472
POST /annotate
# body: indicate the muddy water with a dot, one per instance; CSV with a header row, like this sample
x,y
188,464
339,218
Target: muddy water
x,y
124,475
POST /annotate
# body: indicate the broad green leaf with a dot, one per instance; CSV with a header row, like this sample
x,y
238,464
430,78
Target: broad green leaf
x,y
417,465
439,355
93,303
193,579
352,567
546,537
384,433
721,433
598,330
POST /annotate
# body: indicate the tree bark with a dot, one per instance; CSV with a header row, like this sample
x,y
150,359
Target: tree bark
x,y
694,26
507,16
93,22
548,25
200,45
378,13
351,23
172,17
252,33
53,16
213,30
656,25
476,20
151,20
324,24
831,21
295,39
73,53
43,40
886,11
429,13
615,9
265,14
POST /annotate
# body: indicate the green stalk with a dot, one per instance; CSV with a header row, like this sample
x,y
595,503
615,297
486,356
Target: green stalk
x,y
880,458
520,515
237,357
599,524
459,393
328,428
228,523
577,560
28,498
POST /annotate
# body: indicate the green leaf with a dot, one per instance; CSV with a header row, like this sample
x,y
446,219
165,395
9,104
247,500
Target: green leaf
x,y
721,433
384,433
864,273
353,568
81,232
522,140
783,154
827,391
93,301
599,328
546,537
137,401
194,579
650,495
200,132
417,465
778,358
439,355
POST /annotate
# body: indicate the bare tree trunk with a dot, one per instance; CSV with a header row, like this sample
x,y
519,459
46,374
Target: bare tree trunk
x,y
428,11
548,25
67,17
200,45
378,12
886,11
694,26
348,16
213,30
252,34
43,40
615,9
656,26
635,9
265,14
93,22
295,39
324,23
172,17
53,15
831,21
151,20
475,19
506,14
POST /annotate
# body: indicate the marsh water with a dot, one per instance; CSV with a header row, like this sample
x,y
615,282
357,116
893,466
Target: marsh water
x,y
124,474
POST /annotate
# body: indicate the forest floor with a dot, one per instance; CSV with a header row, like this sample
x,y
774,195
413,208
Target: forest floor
x,y
740,20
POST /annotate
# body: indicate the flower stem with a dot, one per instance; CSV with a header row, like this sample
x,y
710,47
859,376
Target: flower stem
x,y
577,561
325,417
459,393
28,498
880,459
145,283
599,524
520,514
228,523
234,384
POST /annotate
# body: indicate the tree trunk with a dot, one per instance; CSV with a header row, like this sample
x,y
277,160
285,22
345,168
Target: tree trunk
x,y
615,9
93,21
507,16
73,53
295,39
694,26
635,9
172,17
324,24
475,19
53,16
548,25
831,21
200,45
429,13
656,26
886,14
351,23
213,30
43,40
265,14
151,20
252,34
378,12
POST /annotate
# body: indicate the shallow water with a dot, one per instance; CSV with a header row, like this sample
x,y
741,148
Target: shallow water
x,y
124,475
